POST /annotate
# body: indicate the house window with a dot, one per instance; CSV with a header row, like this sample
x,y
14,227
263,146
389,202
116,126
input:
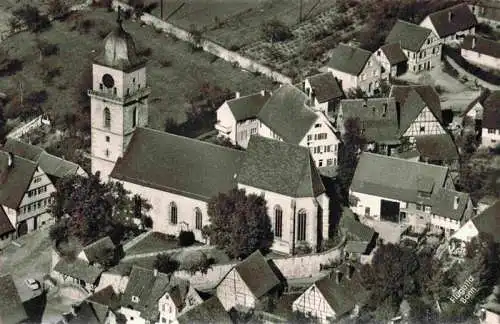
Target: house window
x,y
135,299
317,125
107,118
278,221
309,137
367,211
427,209
37,179
491,131
107,139
328,148
320,163
114,91
163,320
301,225
134,117
422,129
106,153
253,131
198,218
173,213
101,86
419,206
329,162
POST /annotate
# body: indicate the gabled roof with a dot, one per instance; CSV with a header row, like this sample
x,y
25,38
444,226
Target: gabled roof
x,y
287,115
488,222
394,53
440,147
5,224
86,314
177,164
210,311
326,87
94,250
481,45
50,164
257,274
348,59
491,113
105,297
14,181
377,117
396,178
443,203
11,308
354,228
410,36
79,269
461,19
485,93
248,107
287,169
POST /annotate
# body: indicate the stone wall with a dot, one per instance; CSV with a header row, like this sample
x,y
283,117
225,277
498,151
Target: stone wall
x,y
209,46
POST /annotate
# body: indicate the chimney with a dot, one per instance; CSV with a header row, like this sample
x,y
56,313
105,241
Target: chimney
x,y
450,15
473,45
338,276
10,162
385,109
155,272
455,203
236,94
350,271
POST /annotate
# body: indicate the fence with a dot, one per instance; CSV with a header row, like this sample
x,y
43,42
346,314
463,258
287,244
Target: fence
x,y
208,46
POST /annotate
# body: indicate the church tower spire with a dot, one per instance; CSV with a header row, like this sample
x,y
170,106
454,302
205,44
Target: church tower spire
x,y
118,99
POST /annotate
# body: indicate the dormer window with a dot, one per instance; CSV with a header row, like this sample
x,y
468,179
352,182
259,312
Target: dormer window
x,y
424,194
135,299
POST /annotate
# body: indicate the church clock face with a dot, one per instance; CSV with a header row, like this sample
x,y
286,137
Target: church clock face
x,y
108,81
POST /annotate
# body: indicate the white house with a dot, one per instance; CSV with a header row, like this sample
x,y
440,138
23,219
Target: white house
x,y
334,296
24,196
412,193
392,59
487,222
356,68
421,45
451,24
487,11
179,175
490,126
481,51
247,284
324,92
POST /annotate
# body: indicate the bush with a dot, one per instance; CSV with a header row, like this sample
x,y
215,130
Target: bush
x,y
58,8
303,248
31,17
48,49
58,232
145,52
276,31
85,25
165,263
186,238
165,63
197,261
234,47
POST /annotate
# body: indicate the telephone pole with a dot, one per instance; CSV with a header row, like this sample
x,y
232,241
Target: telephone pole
x,y
300,11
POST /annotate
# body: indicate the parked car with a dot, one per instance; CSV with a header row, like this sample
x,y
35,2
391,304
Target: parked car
x,y
32,284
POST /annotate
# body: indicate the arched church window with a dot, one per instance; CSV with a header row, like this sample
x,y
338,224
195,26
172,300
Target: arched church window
x,y
107,118
278,221
301,225
198,218
134,117
173,213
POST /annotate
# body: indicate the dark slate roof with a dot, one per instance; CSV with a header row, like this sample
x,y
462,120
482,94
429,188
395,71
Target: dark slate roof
x,y
412,100
210,311
356,246
94,250
396,178
149,289
482,46
79,269
491,112
5,224
287,169
437,147
326,87
485,93
378,126
394,53
86,314
462,18
177,164
410,36
443,203
103,301
287,115
488,222
257,274
354,228
50,164
11,308
348,59
248,107
14,181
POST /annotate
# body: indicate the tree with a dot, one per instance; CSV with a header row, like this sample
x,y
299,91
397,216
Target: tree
x,y
58,8
239,223
94,209
165,263
276,31
353,143
31,17
355,93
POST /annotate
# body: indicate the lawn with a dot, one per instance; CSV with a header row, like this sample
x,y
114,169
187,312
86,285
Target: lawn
x,y
231,23
175,73
153,243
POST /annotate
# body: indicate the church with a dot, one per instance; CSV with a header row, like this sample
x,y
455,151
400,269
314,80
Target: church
x,y
179,175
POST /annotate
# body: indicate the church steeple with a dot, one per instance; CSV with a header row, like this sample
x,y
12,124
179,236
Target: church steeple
x,y
119,98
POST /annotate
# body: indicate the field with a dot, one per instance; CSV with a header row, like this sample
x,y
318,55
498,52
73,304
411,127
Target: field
x,y
174,72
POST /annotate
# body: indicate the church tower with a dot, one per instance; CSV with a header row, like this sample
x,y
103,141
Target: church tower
x,y
118,99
